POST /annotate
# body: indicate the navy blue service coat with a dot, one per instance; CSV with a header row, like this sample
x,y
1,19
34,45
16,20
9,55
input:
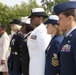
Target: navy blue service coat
x,y
25,58
16,54
52,63
68,55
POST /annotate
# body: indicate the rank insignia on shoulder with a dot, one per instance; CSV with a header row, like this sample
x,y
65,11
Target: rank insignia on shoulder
x,y
55,61
33,36
66,48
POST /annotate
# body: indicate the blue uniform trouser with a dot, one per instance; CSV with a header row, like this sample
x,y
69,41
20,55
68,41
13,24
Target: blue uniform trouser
x,y
15,73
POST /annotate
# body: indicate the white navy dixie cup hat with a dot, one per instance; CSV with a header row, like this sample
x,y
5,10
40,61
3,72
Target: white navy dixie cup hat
x,y
25,20
28,21
53,19
38,12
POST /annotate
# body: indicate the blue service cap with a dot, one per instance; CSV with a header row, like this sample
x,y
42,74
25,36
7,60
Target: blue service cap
x,y
59,8
53,19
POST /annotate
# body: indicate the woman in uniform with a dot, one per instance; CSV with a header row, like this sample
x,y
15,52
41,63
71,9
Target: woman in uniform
x,y
24,49
52,64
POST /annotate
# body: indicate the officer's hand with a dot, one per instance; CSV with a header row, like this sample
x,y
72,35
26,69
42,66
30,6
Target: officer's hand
x,y
2,62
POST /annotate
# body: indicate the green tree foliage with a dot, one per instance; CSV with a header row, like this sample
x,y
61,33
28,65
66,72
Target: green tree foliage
x,y
8,13
49,4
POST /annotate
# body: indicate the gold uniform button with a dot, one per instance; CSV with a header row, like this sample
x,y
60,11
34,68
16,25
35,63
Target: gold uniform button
x,y
16,53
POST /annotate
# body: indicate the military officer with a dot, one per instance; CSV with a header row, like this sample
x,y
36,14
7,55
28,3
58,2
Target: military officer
x,y
16,54
66,12
15,27
37,42
24,49
52,62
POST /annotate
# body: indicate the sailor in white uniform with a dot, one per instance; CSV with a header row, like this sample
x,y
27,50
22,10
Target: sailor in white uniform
x,y
37,42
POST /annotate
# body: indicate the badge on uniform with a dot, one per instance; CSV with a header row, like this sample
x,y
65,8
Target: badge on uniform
x,y
66,48
12,42
33,36
55,61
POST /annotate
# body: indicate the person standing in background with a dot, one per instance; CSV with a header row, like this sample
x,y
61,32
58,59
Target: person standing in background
x,y
24,49
16,54
37,42
52,62
15,27
4,45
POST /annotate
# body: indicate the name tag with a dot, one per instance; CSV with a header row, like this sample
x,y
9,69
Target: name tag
x,y
33,37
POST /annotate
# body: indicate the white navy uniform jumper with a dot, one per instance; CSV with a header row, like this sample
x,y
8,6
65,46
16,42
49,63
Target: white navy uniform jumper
x,y
37,44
